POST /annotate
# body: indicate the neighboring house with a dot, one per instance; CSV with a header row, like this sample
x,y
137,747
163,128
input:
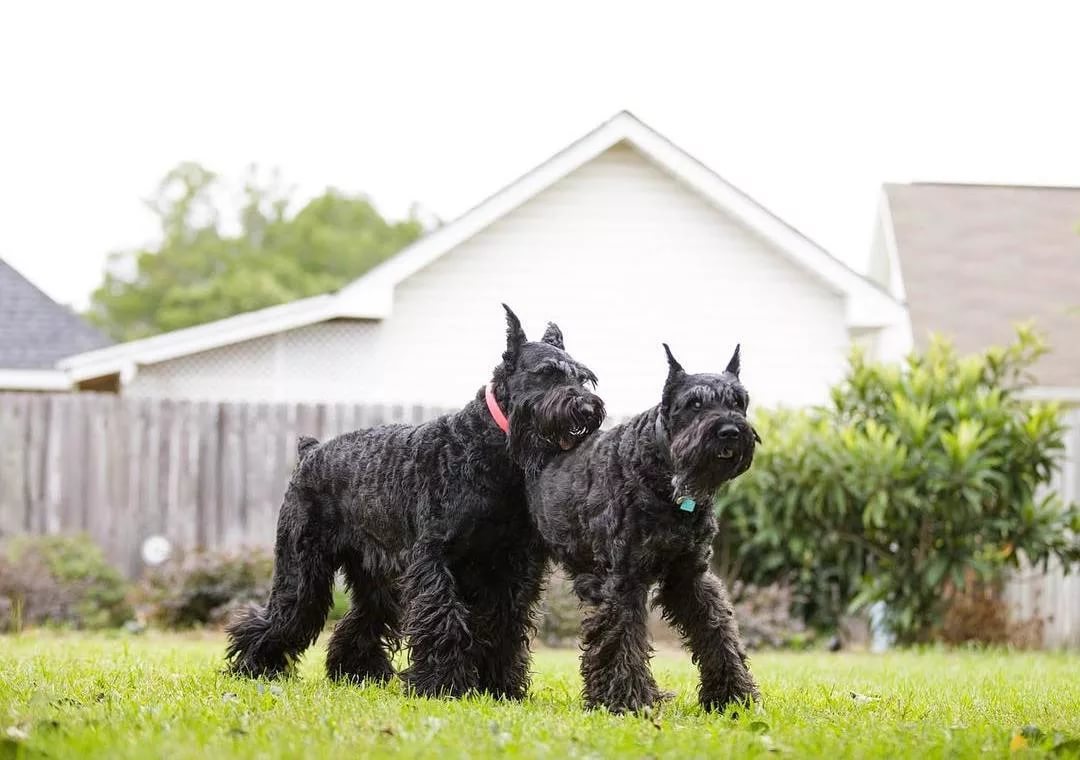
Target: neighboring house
x,y
622,238
35,332
972,261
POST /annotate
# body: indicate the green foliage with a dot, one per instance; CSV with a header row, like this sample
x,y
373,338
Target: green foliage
x,y
917,481
201,272
60,580
203,588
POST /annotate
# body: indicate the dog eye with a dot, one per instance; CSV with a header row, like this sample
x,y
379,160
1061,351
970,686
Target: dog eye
x,y
696,404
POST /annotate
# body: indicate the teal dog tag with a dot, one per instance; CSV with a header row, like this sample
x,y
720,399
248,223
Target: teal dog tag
x,y
687,504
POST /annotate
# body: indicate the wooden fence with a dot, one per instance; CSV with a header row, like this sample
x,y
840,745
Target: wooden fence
x,y
212,475
202,474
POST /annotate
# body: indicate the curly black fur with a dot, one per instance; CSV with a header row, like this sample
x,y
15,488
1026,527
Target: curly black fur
x,y
430,527
610,512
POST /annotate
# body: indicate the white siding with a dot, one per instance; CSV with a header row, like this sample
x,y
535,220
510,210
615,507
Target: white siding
x,y
621,255
623,258
327,362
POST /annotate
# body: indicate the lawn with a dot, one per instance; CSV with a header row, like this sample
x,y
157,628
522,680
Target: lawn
x,y
161,696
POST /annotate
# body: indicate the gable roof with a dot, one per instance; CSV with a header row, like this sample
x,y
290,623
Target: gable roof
x,y
372,295
977,259
36,331
872,304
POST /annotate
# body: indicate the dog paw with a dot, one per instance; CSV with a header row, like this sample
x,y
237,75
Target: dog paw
x,y
248,669
436,686
358,678
629,701
718,702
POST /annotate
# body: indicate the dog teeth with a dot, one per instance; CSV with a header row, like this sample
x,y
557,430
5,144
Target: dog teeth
x,y
725,454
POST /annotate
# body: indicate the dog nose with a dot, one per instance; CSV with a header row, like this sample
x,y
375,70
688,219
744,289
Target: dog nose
x,y
728,431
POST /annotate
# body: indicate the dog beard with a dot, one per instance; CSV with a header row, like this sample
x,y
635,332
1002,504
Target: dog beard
x,y
557,420
703,461
565,417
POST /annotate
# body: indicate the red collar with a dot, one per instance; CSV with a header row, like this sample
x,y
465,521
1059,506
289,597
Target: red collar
x,y
496,412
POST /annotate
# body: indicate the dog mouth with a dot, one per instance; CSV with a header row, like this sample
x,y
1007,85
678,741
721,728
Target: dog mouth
x,y
726,453
571,439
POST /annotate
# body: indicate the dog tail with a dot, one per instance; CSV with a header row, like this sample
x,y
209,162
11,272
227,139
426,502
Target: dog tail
x,y
249,635
304,444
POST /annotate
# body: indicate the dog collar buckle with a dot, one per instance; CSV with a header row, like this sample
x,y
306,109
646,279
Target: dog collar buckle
x,y
687,504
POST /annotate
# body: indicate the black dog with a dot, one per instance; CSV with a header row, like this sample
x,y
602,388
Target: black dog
x,y
631,507
429,525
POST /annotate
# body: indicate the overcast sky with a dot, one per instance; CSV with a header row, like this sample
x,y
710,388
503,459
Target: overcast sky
x,y
807,106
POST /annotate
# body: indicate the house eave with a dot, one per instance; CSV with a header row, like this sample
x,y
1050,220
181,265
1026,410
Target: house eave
x,y
1061,393
34,380
192,340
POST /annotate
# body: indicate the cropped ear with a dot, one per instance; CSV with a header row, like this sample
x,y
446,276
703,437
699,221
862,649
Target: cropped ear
x,y
553,336
674,368
733,365
515,337
674,374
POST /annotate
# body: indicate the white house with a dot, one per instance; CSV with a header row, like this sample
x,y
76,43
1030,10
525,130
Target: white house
x,y
622,238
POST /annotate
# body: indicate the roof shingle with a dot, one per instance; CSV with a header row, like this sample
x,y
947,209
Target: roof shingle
x,y
35,331
977,259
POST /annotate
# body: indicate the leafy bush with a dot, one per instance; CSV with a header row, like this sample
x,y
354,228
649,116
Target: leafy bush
x,y
765,617
203,588
60,580
915,479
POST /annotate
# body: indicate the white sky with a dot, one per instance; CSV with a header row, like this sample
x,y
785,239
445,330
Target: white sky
x,y
807,106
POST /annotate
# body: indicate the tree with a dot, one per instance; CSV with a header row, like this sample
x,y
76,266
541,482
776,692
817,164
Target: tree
x,y
914,483
200,272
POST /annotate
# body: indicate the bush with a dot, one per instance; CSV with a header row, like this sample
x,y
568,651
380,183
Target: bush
x,y
765,617
914,479
60,580
203,588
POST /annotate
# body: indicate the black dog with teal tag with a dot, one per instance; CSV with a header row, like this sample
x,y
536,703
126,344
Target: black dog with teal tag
x,y
632,507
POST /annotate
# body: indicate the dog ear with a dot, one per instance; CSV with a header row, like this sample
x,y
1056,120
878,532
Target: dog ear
x,y
733,365
674,368
515,337
553,336
674,374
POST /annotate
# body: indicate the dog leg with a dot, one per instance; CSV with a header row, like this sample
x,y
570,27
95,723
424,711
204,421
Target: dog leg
x,y
363,640
695,602
436,627
616,650
265,641
503,624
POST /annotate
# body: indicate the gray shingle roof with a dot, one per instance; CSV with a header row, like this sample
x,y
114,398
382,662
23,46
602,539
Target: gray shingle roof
x,y
976,259
36,331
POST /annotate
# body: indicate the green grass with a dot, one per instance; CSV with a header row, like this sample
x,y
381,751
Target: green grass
x,y
160,696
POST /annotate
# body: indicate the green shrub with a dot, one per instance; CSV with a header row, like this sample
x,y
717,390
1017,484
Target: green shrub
x,y
765,617
203,588
913,483
60,580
